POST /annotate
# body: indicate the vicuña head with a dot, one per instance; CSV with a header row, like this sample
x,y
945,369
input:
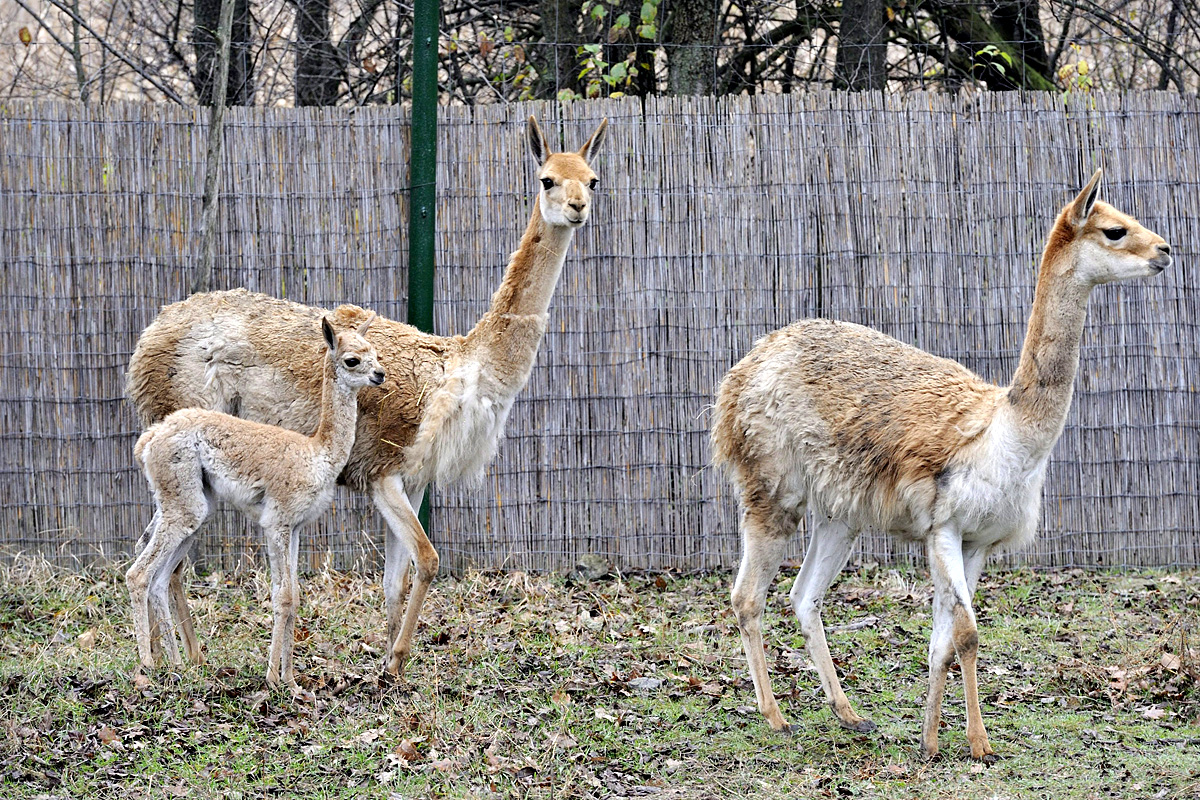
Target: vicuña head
x,y
1106,244
354,358
567,180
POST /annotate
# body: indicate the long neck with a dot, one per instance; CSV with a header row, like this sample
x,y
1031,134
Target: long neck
x,y
339,415
507,337
1041,389
533,270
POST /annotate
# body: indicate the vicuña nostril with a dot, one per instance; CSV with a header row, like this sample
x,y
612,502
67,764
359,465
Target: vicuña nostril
x,y
1166,248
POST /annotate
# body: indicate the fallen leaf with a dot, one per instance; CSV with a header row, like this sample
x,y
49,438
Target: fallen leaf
x,y
87,639
560,698
1154,712
1171,661
407,750
142,682
560,739
107,735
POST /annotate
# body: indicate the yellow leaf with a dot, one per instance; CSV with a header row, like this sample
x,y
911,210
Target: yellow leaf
x,y
25,36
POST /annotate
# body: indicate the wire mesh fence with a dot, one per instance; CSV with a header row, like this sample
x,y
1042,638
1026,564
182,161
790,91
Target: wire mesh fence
x,y
357,52
717,221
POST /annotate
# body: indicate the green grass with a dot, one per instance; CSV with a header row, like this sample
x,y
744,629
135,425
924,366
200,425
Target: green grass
x,y
525,686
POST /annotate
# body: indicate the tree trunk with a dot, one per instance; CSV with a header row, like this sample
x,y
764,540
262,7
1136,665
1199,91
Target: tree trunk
x,y
1017,21
560,29
691,56
318,66
240,86
861,62
985,44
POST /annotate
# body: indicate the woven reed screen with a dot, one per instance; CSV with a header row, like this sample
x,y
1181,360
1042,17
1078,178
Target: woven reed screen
x,y
717,220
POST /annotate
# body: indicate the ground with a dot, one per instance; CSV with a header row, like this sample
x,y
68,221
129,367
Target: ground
x,y
551,686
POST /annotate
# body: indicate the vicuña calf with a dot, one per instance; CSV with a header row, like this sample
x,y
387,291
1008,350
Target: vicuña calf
x,y
280,478
868,431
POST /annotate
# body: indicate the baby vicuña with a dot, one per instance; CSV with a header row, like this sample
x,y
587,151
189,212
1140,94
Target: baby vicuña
x,y
280,478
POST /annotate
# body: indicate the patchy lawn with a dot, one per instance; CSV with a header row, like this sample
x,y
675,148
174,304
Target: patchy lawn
x,y
533,686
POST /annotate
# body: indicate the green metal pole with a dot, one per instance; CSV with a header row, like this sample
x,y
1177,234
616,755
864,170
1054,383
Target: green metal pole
x,y
424,175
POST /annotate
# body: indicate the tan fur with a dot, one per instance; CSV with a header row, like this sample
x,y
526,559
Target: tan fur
x,y
891,416
279,477
440,414
872,432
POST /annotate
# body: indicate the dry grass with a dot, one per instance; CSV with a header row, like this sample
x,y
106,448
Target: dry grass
x,y
540,686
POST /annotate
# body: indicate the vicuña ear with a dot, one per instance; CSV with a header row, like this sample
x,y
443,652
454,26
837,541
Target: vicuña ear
x,y
1082,206
539,145
362,329
330,337
592,145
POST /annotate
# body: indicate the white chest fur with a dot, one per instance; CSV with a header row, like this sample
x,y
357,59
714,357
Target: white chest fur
x,y
992,492
471,431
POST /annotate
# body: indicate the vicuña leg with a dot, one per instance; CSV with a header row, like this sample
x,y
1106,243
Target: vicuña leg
x,y
954,632
765,535
292,578
147,580
829,547
183,615
284,596
412,543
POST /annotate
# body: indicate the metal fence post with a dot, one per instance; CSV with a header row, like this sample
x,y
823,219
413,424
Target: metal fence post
x,y
421,217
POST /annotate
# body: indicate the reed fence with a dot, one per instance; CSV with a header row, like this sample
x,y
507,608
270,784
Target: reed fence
x,y
717,220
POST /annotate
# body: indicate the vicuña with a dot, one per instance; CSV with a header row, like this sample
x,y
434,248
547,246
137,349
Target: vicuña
x,y
441,413
871,432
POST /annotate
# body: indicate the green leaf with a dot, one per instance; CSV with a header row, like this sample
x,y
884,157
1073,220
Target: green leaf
x,y
598,12
622,21
649,11
618,71
594,49
647,31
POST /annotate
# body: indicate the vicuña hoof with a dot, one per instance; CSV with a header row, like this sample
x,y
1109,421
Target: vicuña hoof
x,y
858,726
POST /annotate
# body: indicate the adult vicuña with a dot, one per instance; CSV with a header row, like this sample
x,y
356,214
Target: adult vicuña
x,y
869,431
442,412
280,478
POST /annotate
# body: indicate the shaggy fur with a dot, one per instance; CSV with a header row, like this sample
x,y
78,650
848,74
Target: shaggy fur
x,y
441,413
280,478
871,432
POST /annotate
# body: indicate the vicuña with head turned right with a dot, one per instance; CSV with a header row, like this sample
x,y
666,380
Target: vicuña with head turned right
x,y
280,478
871,432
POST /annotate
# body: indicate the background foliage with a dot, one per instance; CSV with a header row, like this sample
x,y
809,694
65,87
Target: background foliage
x,y
355,52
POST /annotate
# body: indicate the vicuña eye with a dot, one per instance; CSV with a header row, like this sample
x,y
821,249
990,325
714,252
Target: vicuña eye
x,y
547,183
593,183
352,362
1114,233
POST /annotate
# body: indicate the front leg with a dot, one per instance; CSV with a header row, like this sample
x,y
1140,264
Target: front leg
x,y
954,632
408,542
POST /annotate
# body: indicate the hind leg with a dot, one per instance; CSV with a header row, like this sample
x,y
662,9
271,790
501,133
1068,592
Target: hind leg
x,y
147,579
160,599
829,547
765,534
183,616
